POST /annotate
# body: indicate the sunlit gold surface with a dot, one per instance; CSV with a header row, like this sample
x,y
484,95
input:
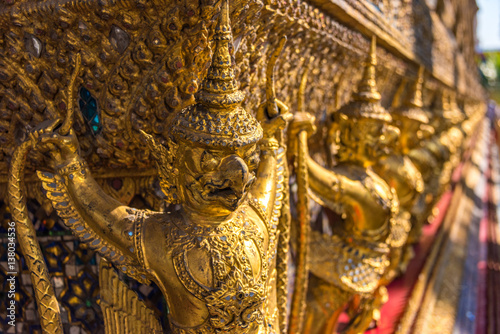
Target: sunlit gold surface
x,y
357,257
225,168
190,98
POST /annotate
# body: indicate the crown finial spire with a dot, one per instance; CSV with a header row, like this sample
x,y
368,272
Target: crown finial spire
x,y
366,102
367,89
220,88
218,119
415,99
413,104
224,18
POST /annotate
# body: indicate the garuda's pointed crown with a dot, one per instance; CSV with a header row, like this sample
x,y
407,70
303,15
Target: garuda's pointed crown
x,y
218,119
366,102
453,113
412,107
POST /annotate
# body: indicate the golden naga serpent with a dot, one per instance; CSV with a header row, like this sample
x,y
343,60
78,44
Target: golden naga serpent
x,y
272,110
302,269
48,307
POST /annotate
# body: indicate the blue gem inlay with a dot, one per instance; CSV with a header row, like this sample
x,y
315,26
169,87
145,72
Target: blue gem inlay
x,y
89,110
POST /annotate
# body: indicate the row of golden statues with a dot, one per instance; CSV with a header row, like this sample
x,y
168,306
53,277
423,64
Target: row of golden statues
x,y
222,258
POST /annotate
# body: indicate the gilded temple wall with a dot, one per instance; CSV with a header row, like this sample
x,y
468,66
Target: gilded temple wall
x,y
119,61
143,61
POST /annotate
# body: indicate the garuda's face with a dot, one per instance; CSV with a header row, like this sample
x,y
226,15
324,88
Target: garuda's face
x,y
214,182
375,139
410,135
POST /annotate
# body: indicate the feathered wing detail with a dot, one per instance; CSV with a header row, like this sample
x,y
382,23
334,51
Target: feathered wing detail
x,y
55,190
351,267
123,311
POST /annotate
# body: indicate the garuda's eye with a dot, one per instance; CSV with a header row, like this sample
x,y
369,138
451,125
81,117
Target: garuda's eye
x,y
209,162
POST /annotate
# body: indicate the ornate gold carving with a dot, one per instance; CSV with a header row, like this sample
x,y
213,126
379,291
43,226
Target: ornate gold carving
x,y
176,85
123,311
230,206
355,259
273,107
401,174
48,308
302,271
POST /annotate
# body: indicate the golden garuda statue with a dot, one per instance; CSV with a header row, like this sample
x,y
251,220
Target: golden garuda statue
x,y
214,258
413,122
179,105
352,264
399,171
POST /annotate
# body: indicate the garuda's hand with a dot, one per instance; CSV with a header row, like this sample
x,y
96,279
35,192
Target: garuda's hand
x,y
302,121
271,121
61,149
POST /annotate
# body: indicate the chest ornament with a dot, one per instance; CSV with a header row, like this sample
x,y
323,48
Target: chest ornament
x,y
236,298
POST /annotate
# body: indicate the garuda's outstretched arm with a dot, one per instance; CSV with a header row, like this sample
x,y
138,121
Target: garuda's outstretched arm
x,y
272,174
105,224
324,184
268,187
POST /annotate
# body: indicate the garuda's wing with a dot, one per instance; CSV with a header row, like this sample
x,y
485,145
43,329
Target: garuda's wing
x,y
124,312
57,193
353,267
